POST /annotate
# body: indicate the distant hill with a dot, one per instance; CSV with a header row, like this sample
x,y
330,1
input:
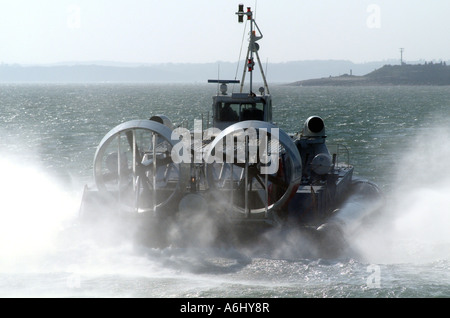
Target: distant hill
x,y
99,72
80,74
406,74
325,72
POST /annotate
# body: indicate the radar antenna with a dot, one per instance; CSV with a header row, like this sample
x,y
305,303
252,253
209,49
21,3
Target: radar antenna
x,y
252,48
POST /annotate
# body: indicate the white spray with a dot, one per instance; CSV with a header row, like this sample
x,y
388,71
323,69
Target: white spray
x,y
416,222
33,210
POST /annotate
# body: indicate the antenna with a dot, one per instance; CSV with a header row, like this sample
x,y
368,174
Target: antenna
x,y
240,13
252,48
401,55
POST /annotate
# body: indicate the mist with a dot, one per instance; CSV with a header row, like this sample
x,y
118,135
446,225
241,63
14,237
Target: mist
x,y
36,211
33,211
37,214
414,225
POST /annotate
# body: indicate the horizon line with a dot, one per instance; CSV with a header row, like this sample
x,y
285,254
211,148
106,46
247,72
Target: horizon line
x,y
148,64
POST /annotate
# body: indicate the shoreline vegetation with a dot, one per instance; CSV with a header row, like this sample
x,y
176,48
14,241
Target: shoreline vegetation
x,y
437,74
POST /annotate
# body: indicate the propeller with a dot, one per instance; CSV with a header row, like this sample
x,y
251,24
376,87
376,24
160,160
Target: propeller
x,y
133,163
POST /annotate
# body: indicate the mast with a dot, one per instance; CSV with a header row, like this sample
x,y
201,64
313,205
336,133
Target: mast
x,y
253,48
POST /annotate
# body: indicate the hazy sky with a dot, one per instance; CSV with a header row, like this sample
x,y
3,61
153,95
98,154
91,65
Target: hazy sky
x,y
160,31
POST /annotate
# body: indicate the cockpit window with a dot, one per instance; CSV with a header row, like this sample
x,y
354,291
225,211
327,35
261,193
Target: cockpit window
x,y
228,112
252,112
239,112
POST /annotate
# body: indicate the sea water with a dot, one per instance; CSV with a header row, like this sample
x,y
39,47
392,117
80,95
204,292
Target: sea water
x,y
398,137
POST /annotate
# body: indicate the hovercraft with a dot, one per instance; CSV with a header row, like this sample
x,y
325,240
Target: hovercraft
x,y
229,181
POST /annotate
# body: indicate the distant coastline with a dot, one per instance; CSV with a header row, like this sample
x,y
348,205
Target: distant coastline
x,y
389,75
117,72
305,73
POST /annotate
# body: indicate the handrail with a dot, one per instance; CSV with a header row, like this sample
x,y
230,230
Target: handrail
x,y
340,150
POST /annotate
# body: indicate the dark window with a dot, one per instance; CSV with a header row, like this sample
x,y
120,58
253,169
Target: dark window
x,y
252,112
227,112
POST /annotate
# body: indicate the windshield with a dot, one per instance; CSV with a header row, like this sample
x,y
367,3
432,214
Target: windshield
x,y
239,111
